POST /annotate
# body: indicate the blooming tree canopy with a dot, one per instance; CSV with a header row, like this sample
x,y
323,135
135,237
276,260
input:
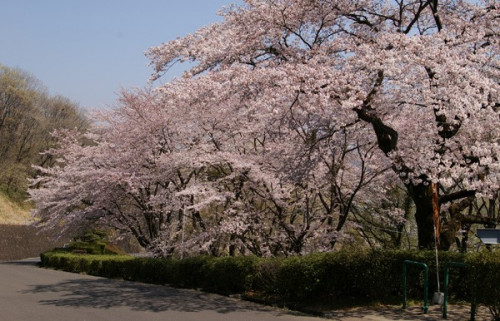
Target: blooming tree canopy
x,y
294,112
423,74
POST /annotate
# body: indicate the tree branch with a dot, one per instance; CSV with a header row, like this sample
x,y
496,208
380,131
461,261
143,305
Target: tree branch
x,y
456,196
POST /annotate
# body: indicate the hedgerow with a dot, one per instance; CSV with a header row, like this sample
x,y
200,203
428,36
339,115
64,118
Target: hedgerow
x,y
343,277
485,280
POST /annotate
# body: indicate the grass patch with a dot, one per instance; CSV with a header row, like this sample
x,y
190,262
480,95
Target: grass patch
x,y
14,213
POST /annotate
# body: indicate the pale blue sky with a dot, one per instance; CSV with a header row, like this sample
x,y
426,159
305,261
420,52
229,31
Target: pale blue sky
x,y
87,50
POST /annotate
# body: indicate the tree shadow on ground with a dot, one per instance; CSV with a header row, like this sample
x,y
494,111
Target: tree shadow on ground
x,y
106,294
455,312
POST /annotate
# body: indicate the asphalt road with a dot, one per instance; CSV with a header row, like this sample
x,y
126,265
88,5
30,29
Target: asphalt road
x,y
29,293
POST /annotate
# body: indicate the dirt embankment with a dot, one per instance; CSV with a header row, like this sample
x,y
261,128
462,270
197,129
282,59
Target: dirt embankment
x,y
18,239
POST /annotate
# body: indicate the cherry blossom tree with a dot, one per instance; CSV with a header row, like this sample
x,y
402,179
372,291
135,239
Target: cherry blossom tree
x,y
423,74
111,175
186,178
287,178
296,115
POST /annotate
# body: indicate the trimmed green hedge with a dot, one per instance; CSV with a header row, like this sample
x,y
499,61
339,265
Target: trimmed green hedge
x,y
344,277
110,266
354,277
484,270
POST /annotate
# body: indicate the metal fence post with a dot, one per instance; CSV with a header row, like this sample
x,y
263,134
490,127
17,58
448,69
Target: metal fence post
x,y
426,288
446,293
426,283
404,287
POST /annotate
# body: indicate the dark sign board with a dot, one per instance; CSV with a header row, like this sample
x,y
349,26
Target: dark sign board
x,y
489,235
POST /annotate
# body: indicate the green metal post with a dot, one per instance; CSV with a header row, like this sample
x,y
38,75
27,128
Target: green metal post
x,y
473,307
426,283
404,287
446,282
446,285
426,288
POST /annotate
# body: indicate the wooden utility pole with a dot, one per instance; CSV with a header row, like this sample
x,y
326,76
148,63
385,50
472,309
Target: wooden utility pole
x,y
435,210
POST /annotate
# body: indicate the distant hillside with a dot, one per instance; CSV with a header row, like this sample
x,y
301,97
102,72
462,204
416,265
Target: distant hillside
x,y
12,213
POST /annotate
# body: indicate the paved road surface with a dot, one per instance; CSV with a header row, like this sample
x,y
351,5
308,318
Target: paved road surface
x,y
29,293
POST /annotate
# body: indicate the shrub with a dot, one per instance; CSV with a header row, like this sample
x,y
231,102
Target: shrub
x,y
99,265
226,275
92,242
265,279
484,269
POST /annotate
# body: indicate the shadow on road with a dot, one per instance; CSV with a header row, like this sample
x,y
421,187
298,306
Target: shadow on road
x,y
105,294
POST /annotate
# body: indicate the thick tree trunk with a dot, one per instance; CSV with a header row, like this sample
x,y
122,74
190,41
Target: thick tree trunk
x,y
425,218
387,139
422,197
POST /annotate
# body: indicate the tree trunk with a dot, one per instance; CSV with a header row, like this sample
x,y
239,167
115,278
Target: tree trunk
x,y
422,197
